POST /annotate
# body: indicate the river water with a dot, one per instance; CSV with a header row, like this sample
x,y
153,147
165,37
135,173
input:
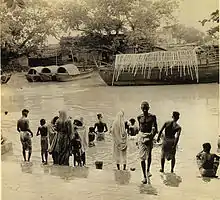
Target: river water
x,y
198,105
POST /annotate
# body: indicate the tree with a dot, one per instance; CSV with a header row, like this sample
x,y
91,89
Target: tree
x,y
24,30
214,18
137,20
11,4
187,34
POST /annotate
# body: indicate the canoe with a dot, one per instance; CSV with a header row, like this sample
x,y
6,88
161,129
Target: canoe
x,y
5,78
70,72
207,73
33,74
48,73
42,74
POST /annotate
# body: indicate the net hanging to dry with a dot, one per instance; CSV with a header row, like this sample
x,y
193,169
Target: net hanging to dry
x,y
183,60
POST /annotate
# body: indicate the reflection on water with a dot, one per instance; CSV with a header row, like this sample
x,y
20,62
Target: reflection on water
x,y
171,179
27,167
147,189
122,177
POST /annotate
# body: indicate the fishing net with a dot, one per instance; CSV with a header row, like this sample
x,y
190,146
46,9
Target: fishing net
x,y
185,61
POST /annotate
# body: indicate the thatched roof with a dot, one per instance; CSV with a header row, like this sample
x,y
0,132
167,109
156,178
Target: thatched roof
x,y
46,52
69,69
50,69
35,70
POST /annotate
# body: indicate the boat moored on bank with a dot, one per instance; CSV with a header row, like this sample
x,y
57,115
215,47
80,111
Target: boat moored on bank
x,y
70,72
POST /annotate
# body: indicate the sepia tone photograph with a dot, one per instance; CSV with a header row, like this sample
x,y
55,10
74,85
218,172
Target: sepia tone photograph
x,y
110,99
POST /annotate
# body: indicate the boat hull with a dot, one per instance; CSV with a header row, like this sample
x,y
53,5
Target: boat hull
x,y
66,77
207,74
47,77
33,78
5,78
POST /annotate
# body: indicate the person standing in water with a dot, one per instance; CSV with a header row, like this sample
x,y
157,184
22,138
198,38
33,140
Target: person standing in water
x,y
147,131
25,134
84,137
64,132
101,128
170,141
43,132
207,162
119,136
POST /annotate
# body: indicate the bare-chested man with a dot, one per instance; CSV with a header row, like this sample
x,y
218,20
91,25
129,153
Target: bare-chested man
x,y
147,131
25,134
171,138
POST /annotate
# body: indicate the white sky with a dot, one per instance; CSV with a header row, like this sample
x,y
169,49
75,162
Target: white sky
x,y
189,13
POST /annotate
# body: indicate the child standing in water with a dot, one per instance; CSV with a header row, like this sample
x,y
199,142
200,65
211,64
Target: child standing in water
x,y
43,132
133,128
76,149
101,128
91,136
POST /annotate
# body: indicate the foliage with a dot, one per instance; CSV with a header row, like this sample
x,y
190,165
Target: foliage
x,y
214,18
24,30
188,34
11,4
108,20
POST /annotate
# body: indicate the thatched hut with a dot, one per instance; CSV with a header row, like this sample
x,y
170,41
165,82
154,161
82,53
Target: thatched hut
x,y
50,55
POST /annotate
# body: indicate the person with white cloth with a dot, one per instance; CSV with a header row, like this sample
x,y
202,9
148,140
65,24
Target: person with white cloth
x,y
119,136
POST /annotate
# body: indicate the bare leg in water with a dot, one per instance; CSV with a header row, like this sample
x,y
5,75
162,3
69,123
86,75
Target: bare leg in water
x,y
149,163
46,158
42,157
24,154
143,166
162,164
173,161
29,156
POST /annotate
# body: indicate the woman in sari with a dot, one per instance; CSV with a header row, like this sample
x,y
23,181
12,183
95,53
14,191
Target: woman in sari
x,y
53,139
119,136
64,132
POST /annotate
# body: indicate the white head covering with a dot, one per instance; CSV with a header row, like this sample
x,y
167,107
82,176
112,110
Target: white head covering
x,y
62,116
118,131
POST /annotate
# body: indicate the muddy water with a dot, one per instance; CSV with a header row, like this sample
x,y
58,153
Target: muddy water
x,y
198,105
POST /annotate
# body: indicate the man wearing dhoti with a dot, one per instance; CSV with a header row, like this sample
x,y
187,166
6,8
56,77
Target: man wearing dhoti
x,y
147,131
170,141
100,128
25,134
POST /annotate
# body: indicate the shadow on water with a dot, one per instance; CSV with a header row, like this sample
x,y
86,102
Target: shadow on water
x,y
68,173
27,167
208,179
122,177
148,188
171,179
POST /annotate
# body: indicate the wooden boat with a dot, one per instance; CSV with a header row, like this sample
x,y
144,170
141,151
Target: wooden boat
x,y
48,73
208,72
33,74
5,78
70,72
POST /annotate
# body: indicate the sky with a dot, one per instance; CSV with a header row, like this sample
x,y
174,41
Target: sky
x,y
189,13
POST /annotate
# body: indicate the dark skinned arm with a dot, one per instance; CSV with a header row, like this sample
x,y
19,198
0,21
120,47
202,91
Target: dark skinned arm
x,y
161,131
154,128
18,128
106,128
38,131
177,137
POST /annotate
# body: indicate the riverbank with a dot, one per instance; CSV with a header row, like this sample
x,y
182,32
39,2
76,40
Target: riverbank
x,y
25,181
